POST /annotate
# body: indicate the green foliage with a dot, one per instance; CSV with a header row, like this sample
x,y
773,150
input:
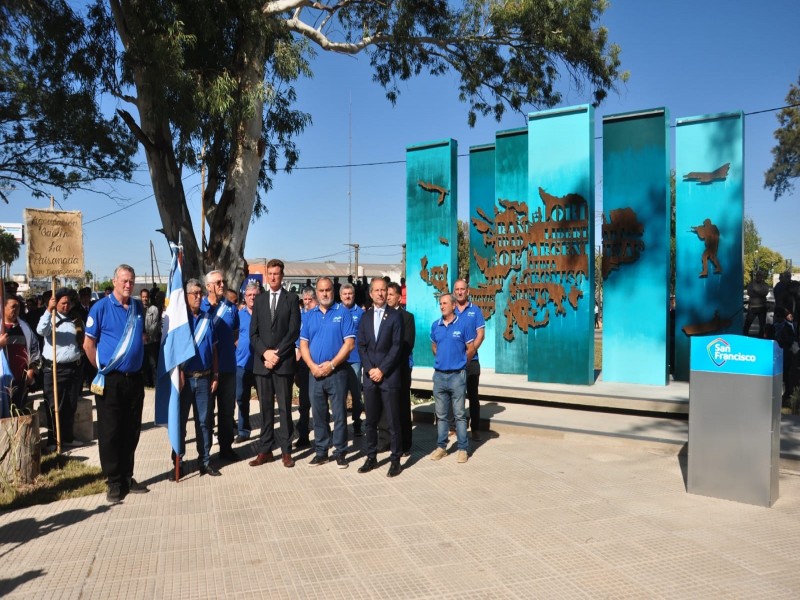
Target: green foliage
x,y
9,250
53,132
463,249
758,257
786,155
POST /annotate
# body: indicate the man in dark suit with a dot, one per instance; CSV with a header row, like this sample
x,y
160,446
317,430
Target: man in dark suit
x,y
379,336
393,300
274,328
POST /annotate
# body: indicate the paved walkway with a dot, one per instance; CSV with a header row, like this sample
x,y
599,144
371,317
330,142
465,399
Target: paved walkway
x,y
526,517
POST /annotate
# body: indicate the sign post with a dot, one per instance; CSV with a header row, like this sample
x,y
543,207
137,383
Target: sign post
x,y
735,418
55,249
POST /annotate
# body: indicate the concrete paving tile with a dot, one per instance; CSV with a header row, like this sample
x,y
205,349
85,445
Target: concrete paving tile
x,y
519,568
141,587
312,547
321,572
546,588
363,539
610,583
569,558
755,588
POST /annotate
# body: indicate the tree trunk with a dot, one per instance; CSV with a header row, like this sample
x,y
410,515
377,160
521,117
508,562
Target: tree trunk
x,y
231,216
20,449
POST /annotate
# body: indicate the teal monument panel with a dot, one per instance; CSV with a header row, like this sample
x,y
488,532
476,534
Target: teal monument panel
x,y
635,247
553,296
709,275
481,211
431,242
511,193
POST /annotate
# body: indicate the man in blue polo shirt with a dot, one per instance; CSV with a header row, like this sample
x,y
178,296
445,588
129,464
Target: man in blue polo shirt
x,y
467,310
348,295
199,379
327,336
114,344
244,363
453,344
225,316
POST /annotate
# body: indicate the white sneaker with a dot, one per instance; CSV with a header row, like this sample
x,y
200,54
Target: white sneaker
x,y
438,454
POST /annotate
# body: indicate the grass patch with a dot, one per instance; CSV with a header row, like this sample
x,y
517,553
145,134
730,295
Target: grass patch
x,y
62,477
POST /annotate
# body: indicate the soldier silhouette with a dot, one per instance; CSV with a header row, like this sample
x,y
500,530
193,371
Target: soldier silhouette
x,y
709,233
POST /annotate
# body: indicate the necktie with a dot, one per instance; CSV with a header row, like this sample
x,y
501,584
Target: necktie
x,y
274,303
377,320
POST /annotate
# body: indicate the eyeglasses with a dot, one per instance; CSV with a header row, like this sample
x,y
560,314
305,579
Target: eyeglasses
x,y
220,282
196,293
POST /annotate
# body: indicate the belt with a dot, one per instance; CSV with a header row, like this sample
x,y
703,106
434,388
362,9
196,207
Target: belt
x,y
448,372
48,364
198,374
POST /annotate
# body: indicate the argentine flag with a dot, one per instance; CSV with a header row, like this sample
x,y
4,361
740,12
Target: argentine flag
x,y
176,348
5,370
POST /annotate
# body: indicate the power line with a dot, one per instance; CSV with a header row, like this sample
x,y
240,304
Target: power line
x,y
380,163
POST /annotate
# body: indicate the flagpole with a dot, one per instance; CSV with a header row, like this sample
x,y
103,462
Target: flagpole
x,y
177,455
53,325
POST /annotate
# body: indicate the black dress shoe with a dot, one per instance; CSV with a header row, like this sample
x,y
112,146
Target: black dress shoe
x,y
229,455
134,487
172,473
302,443
368,465
394,469
209,470
240,439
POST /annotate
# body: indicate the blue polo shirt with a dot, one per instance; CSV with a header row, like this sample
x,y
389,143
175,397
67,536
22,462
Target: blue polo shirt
x,y
474,315
356,312
203,358
244,351
451,343
106,324
226,321
325,332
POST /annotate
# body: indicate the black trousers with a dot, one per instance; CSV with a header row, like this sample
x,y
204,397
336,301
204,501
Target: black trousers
x,y
383,403
473,379
304,412
403,413
119,424
68,378
150,364
269,387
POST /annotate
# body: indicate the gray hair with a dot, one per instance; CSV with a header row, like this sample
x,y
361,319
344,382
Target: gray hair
x,y
193,283
309,291
210,273
253,285
347,286
124,267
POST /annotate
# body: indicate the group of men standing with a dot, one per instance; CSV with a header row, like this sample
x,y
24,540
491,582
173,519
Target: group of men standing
x,y
329,348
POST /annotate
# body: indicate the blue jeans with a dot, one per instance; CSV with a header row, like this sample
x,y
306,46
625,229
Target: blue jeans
x,y
354,387
449,393
333,388
244,389
196,394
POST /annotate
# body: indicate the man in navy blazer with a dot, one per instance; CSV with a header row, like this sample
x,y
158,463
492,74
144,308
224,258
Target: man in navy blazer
x,y
274,329
379,343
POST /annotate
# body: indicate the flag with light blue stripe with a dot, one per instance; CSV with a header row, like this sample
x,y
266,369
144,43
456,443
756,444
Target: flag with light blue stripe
x,y
176,348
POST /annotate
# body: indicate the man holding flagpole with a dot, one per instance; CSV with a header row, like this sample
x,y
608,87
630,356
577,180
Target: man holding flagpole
x,y
114,344
199,379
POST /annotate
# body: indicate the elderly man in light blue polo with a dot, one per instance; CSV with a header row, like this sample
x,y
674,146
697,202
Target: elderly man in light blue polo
x,y
453,344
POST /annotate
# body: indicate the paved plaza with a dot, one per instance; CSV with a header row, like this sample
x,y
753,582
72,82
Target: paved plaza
x,y
527,517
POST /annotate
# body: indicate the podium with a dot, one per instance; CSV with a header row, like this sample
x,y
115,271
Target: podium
x,y
735,385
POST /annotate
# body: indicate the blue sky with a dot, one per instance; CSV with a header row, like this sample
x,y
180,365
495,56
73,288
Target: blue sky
x,y
693,58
